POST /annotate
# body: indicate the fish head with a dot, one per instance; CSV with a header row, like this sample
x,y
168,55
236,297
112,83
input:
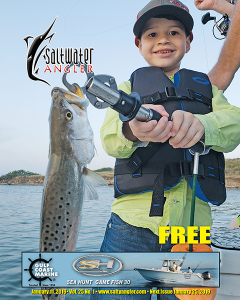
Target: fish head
x,y
70,130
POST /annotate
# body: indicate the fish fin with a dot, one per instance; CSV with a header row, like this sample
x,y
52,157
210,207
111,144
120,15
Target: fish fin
x,y
93,178
89,192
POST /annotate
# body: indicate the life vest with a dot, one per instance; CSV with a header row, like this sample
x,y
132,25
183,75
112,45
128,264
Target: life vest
x,y
159,167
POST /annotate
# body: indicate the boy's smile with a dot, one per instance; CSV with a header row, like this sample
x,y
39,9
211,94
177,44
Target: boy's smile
x,y
163,44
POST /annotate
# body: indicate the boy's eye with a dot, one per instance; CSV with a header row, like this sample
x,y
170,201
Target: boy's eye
x,y
153,34
173,32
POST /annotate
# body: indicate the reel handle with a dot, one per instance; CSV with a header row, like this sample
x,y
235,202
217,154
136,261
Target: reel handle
x,y
206,18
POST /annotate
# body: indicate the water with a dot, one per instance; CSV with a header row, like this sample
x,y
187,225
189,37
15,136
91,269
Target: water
x,y
19,227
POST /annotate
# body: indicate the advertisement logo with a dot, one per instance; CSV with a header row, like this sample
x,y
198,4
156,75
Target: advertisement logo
x,y
32,58
56,59
40,270
97,265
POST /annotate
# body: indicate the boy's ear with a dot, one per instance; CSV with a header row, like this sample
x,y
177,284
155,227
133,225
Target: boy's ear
x,y
138,44
188,42
137,41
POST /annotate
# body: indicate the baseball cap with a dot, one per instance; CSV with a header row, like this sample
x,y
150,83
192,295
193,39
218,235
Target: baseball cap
x,y
164,7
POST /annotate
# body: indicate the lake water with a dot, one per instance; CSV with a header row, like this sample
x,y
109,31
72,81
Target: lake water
x,y
19,228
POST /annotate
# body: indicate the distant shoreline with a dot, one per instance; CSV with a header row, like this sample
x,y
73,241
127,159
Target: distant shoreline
x,y
231,182
39,179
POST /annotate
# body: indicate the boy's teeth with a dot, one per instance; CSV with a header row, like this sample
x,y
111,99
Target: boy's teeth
x,y
163,51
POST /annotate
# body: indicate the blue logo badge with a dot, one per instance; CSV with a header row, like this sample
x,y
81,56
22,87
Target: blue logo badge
x,y
201,80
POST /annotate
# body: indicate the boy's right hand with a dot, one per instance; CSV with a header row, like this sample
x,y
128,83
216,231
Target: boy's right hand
x,y
151,131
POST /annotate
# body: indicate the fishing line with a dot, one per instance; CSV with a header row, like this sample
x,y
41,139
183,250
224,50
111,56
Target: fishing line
x,y
204,42
92,34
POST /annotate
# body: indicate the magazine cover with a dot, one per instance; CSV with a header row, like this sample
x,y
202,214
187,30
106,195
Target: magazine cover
x,y
119,165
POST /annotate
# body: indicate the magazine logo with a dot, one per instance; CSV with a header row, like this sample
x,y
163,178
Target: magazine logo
x,y
58,59
97,265
40,270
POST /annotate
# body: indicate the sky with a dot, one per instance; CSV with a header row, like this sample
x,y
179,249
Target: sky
x,y
103,25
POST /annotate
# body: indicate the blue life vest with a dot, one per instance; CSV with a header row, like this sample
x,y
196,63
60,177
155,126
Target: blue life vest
x,y
192,92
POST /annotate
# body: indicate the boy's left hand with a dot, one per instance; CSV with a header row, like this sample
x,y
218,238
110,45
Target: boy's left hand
x,y
186,131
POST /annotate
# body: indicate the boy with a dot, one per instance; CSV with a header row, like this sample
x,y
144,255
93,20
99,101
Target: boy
x,y
163,33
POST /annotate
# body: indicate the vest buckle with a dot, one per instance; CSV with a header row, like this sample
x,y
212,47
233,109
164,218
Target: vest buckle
x,y
186,168
170,92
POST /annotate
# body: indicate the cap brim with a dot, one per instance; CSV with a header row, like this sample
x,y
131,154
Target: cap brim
x,y
172,10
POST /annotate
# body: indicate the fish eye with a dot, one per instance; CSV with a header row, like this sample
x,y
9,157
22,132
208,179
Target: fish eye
x,y
69,116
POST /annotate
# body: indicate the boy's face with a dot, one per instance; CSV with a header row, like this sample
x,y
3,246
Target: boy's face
x,y
163,44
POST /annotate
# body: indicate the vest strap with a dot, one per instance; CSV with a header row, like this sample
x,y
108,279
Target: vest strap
x,y
158,199
175,93
174,169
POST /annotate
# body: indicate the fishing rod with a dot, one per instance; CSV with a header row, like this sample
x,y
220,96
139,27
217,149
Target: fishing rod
x,y
196,267
184,256
222,24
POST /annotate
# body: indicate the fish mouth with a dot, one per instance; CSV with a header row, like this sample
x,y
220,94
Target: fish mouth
x,y
59,94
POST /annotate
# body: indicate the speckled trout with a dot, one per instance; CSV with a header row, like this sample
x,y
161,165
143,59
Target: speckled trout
x,y
67,182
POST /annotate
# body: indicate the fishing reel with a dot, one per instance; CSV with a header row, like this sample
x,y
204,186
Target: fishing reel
x,y
222,24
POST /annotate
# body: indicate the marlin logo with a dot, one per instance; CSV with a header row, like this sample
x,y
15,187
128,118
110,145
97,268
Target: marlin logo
x,y
32,50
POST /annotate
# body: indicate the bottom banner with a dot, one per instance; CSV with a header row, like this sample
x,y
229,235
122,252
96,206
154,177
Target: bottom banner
x,y
80,271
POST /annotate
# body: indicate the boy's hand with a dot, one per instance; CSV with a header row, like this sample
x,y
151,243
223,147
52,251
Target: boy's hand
x,y
151,131
186,131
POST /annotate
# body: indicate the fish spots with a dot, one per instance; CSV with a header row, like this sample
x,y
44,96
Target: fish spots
x,y
46,237
61,198
52,234
56,231
68,203
57,224
69,193
47,226
60,206
45,249
59,217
